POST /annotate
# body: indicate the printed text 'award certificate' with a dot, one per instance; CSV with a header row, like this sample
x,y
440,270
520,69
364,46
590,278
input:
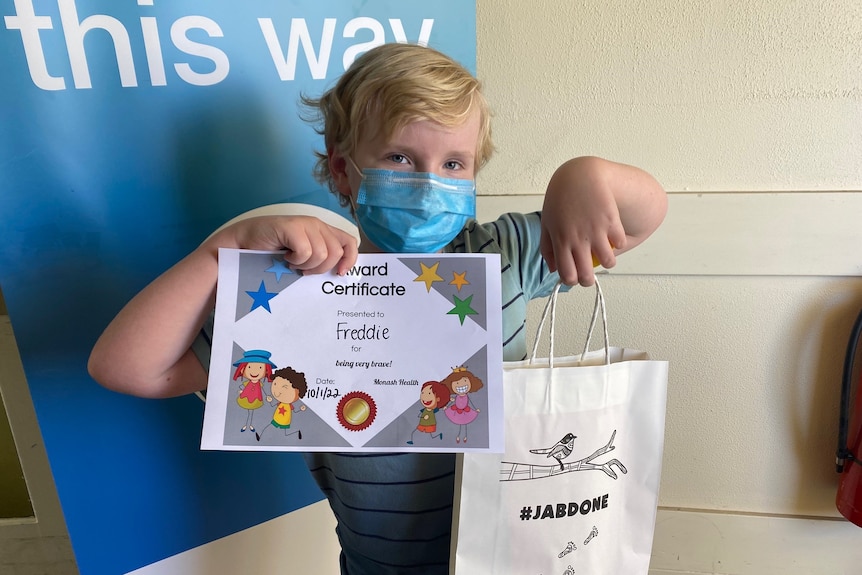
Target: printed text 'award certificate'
x,y
402,353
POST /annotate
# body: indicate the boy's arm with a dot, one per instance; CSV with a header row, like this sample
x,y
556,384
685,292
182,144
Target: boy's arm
x,y
597,208
145,350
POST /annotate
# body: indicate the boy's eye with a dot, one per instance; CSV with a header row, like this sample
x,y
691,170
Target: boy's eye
x,y
452,165
399,159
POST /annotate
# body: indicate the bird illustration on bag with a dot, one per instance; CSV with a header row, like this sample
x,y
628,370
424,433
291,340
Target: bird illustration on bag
x,y
525,471
560,450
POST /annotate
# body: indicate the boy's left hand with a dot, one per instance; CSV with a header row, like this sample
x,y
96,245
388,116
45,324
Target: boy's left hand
x,y
581,223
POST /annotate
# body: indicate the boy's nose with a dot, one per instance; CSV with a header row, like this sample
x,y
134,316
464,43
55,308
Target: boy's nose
x,y
429,168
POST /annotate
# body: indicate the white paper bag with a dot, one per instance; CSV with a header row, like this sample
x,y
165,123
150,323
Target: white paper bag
x,y
577,488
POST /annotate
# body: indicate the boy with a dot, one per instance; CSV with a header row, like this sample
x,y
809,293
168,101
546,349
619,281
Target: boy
x,y
287,387
406,129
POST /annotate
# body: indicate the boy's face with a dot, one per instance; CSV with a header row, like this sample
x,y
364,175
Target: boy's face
x,y
429,400
284,391
421,146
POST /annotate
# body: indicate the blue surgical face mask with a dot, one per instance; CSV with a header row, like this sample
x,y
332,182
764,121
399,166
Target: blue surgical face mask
x,y
412,212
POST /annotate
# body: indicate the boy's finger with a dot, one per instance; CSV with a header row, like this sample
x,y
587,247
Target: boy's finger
x,y
331,248
306,250
584,268
298,249
546,247
570,262
334,252
348,257
603,254
617,237
342,251
322,253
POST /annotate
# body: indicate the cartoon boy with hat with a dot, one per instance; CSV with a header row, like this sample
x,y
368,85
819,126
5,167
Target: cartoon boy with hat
x,y
255,367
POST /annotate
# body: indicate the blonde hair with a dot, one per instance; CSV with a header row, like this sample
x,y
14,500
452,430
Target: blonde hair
x,y
394,85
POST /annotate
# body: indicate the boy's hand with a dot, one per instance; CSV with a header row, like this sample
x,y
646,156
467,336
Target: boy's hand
x,y
312,246
581,223
594,210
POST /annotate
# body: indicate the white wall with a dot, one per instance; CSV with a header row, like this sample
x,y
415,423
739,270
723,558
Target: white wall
x,y
750,114
727,95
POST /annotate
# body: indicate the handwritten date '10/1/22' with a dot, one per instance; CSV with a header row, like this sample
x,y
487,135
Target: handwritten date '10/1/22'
x,y
323,392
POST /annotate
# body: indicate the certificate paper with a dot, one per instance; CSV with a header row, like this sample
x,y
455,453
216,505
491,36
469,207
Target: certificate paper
x,y
402,353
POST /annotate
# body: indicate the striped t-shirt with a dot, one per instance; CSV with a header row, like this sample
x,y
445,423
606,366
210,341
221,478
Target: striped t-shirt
x,y
394,510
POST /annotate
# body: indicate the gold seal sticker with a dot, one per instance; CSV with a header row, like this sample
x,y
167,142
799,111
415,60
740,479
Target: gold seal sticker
x,y
356,411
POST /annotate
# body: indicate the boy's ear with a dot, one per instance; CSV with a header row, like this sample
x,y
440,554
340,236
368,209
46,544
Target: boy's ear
x,y
338,171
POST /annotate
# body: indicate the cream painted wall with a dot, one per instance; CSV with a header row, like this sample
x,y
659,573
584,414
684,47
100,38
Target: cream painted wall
x,y
737,97
731,95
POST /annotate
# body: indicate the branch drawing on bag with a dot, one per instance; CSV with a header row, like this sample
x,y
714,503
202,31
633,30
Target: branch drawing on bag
x,y
515,471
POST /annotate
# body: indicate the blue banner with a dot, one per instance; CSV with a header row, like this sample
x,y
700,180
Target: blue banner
x,y
130,131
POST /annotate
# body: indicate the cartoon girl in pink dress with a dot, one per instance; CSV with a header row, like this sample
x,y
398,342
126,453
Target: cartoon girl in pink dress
x,y
255,367
462,412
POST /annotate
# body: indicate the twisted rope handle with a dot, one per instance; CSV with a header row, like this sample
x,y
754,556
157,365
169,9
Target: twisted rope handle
x,y
551,306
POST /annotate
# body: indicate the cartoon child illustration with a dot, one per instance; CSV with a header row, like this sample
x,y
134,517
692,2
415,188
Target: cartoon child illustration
x,y
287,386
255,367
462,412
434,397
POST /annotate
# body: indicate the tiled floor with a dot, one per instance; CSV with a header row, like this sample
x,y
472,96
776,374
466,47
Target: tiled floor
x,y
37,556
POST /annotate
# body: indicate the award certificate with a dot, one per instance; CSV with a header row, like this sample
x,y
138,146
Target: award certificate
x,y
402,353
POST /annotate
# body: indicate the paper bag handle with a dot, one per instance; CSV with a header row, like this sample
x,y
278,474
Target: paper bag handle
x,y
551,305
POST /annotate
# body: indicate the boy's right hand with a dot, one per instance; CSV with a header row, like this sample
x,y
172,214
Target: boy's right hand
x,y
146,351
311,246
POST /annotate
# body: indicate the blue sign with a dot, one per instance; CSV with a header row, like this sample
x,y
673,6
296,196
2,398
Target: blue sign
x,y
130,131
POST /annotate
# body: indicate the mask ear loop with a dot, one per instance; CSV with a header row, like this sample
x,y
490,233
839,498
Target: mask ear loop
x,y
355,167
355,218
350,198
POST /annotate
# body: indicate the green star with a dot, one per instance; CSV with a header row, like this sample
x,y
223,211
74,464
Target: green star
x,y
462,308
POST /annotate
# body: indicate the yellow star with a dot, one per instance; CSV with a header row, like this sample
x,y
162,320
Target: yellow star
x,y
429,275
459,280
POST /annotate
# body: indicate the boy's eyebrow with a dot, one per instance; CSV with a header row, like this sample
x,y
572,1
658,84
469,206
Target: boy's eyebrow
x,y
463,153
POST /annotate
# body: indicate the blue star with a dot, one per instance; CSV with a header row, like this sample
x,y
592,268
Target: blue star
x,y
261,298
279,268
